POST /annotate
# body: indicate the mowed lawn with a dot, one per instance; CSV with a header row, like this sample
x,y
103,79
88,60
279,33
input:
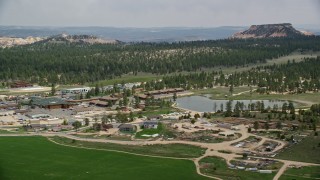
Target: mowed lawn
x,y
37,158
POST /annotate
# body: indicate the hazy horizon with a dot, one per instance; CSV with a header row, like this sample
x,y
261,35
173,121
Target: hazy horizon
x,y
157,13
168,27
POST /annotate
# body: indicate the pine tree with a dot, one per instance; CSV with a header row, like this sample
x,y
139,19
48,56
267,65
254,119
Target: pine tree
x,y
53,90
174,97
97,90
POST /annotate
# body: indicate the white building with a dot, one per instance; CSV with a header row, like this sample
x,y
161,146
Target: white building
x,y
76,90
6,113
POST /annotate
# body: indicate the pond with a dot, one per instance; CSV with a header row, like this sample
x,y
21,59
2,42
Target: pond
x,y
204,104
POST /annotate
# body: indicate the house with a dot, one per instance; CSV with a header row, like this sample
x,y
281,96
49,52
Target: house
x,y
7,113
78,101
226,133
71,121
127,128
38,126
138,90
51,103
82,90
66,127
115,125
141,105
117,95
235,128
109,99
21,111
20,84
262,124
82,109
3,97
61,127
224,125
105,127
7,120
155,117
270,146
39,116
150,124
44,119
141,96
124,108
56,129
99,103
8,106
164,91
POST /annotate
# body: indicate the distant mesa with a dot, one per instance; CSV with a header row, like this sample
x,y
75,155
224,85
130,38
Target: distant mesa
x,y
271,31
61,38
85,39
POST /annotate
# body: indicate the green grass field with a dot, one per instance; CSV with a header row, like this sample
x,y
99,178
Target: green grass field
x,y
170,150
308,150
37,158
304,173
156,111
217,167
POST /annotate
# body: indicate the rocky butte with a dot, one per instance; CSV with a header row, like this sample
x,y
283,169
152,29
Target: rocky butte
x,y
270,31
13,41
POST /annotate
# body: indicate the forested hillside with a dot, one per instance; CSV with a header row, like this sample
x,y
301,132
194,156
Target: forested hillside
x,y
66,63
292,77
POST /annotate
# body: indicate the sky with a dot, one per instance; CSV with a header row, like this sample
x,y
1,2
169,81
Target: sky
x,y
158,13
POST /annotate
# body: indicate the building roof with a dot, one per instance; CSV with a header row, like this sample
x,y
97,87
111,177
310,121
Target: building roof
x,y
164,91
22,110
99,103
48,101
226,133
36,116
82,109
108,98
150,123
81,100
126,126
77,89
4,106
143,96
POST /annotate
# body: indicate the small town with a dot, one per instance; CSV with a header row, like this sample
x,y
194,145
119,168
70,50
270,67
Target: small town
x,y
129,115
159,90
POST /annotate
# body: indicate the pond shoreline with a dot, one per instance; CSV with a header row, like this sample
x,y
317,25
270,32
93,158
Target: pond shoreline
x,y
202,103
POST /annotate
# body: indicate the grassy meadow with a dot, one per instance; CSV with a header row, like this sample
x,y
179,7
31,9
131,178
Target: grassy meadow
x,y
304,173
308,150
37,158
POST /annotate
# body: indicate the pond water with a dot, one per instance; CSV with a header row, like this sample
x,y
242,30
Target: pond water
x,y
204,104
